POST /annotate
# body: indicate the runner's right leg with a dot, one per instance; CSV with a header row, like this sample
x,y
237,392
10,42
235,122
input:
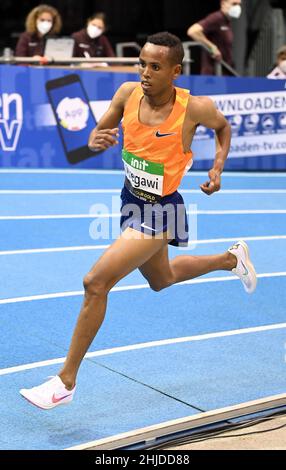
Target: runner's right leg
x,y
127,253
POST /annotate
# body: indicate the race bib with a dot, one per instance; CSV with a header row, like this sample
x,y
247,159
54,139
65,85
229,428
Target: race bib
x,y
144,179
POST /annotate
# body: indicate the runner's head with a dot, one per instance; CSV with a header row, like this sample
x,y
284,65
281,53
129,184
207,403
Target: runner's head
x,y
160,62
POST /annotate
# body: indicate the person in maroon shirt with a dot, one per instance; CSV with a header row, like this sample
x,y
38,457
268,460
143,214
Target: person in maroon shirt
x,y
215,32
42,22
90,41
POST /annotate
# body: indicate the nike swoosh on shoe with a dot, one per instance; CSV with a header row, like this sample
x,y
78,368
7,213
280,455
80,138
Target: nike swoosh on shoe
x,y
245,269
57,399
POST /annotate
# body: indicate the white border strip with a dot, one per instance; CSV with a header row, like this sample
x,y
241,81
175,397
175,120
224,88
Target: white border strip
x,y
102,247
151,433
117,191
201,280
115,215
150,344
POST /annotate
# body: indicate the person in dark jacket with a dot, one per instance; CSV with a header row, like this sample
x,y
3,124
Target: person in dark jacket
x,y
91,40
42,22
215,32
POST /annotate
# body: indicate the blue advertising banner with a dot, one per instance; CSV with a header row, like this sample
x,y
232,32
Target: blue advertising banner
x,y
46,115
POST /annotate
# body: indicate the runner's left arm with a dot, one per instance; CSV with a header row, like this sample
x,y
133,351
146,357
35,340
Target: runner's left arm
x,y
209,116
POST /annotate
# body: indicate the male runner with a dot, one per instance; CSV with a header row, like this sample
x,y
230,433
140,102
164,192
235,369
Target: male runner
x,y
159,122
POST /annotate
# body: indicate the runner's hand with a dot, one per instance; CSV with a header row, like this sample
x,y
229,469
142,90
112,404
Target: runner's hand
x,y
213,185
103,139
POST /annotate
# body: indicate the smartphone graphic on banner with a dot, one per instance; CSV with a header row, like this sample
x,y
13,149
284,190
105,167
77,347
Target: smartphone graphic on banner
x,y
73,114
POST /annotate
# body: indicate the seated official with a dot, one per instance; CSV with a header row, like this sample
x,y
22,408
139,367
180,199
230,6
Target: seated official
x,y
42,22
91,40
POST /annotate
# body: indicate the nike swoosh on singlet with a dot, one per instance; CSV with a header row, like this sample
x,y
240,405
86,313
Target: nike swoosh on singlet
x,y
56,400
158,134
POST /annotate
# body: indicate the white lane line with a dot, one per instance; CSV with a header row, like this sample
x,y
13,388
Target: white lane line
x,y
236,174
150,344
242,174
202,280
116,190
223,240
115,215
55,250
58,216
102,247
236,191
60,171
239,211
59,191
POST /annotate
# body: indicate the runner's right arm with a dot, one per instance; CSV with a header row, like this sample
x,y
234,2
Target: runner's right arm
x,y
106,133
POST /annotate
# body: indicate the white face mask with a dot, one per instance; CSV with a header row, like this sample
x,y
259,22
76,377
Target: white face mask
x,y
44,26
93,31
234,11
282,66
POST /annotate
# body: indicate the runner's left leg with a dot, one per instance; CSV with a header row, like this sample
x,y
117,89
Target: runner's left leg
x,y
161,273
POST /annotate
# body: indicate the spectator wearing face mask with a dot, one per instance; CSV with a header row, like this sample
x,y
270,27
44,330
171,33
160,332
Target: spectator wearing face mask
x,y
215,32
42,22
280,70
91,40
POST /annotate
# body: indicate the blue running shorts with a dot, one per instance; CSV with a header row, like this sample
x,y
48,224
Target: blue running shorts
x,y
155,218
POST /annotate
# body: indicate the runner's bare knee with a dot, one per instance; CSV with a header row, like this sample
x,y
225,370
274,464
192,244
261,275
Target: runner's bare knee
x,y
94,285
160,283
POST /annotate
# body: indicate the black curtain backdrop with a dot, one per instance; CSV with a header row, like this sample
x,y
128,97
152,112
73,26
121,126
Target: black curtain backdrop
x,y
129,20
150,16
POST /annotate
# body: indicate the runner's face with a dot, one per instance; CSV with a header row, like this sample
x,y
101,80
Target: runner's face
x,y
156,71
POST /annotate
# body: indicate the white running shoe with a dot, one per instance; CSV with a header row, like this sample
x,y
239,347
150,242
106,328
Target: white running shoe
x,y
244,268
49,394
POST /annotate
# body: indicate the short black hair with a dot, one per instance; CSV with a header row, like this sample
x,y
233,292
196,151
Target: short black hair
x,y
171,41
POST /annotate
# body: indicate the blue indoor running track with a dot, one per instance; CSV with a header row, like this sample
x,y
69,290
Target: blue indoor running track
x,y
197,346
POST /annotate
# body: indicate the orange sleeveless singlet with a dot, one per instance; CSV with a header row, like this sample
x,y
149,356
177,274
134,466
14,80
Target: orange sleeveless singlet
x,y
153,156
